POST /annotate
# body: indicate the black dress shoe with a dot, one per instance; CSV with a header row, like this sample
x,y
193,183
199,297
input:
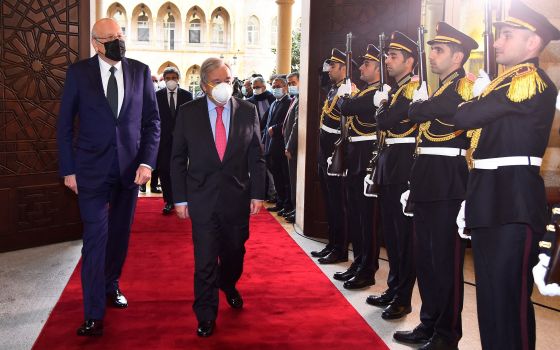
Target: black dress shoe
x,y
322,253
287,212
393,312
167,209
419,335
281,212
290,219
91,328
346,275
439,343
380,300
359,281
205,328
143,188
274,208
155,190
117,299
234,299
333,258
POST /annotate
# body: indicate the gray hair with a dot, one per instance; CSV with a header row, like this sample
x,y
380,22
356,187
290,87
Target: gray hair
x,y
280,79
293,74
170,70
209,65
259,79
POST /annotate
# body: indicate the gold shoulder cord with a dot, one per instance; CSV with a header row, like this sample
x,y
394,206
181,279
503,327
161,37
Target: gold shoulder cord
x,y
353,120
525,82
327,110
407,90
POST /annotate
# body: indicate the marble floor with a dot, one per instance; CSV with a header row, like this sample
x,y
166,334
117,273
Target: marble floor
x,y
32,280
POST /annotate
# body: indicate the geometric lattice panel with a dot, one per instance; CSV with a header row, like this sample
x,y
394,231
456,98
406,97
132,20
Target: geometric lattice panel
x,y
40,41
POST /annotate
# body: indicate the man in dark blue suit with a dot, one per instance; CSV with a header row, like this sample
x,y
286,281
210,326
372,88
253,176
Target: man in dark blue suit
x,y
113,151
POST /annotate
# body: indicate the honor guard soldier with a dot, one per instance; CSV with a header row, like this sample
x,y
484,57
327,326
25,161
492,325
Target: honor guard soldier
x,y
331,186
360,209
505,205
393,172
438,183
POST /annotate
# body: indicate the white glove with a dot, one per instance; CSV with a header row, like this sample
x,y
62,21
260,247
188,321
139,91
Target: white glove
x,y
539,271
345,89
404,200
421,94
381,95
558,101
461,221
481,83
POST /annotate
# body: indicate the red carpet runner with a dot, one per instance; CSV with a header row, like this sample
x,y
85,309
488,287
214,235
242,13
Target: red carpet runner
x,y
289,302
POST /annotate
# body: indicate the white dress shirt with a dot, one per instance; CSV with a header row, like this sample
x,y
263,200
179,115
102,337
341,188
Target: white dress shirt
x,y
106,73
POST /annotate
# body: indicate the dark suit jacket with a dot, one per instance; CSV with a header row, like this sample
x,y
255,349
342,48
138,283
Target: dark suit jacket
x,y
168,121
197,174
289,129
509,194
275,144
134,136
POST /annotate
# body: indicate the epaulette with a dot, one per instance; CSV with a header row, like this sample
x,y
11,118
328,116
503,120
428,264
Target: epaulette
x,y
525,84
465,88
408,90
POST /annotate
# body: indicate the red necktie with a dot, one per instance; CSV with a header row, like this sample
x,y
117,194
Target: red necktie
x,y
221,140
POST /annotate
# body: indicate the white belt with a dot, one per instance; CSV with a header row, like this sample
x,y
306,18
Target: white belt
x,y
394,140
442,151
495,163
362,138
330,130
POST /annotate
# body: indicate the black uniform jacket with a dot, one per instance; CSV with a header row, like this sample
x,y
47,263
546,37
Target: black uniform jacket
x,y
436,177
396,160
515,114
330,117
361,112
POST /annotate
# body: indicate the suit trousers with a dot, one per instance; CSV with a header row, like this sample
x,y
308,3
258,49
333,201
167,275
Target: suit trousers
x,y
164,171
439,253
292,170
277,163
503,260
398,234
360,223
332,189
107,213
219,250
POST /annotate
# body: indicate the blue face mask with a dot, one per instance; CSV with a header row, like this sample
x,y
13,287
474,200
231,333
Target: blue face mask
x,y
278,93
293,90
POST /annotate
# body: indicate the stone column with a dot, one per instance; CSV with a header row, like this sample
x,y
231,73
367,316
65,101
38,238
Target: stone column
x,y
284,41
99,10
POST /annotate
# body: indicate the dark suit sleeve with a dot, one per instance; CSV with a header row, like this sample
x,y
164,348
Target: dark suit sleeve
x,y
362,105
65,123
257,169
279,120
180,157
291,145
438,107
477,113
391,116
149,142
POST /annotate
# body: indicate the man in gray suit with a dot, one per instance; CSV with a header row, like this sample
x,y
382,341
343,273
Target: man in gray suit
x,y
290,133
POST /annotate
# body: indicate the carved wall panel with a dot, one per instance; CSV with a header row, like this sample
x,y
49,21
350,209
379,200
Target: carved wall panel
x,y
40,39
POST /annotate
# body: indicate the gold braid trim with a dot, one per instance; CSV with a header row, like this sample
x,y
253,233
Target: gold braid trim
x,y
409,89
371,88
327,110
465,88
424,130
404,134
442,88
524,85
355,121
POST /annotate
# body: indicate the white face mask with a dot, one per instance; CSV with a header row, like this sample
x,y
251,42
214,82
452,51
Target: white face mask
x,y
278,93
293,90
222,93
161,84
258,91
156,86
244,91
171,85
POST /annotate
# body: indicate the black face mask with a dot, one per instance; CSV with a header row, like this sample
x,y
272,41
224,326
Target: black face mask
x,y
114,50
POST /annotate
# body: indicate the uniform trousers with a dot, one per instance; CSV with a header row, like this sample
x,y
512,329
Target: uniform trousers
x,y
398,234
503,260
439,255
107,213
360,223
332,189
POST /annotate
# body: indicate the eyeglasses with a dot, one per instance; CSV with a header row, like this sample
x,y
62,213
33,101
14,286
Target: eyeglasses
x,y
110,38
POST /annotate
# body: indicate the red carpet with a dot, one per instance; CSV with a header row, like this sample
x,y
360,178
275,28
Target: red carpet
x,y
289,302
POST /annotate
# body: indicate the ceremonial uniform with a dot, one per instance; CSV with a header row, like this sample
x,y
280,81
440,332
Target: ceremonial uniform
x,y
360,223
332,186
506,201
438,184
393,172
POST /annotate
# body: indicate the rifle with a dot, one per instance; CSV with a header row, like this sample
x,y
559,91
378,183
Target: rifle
x,y
337,163
422,70
489,54
371,189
